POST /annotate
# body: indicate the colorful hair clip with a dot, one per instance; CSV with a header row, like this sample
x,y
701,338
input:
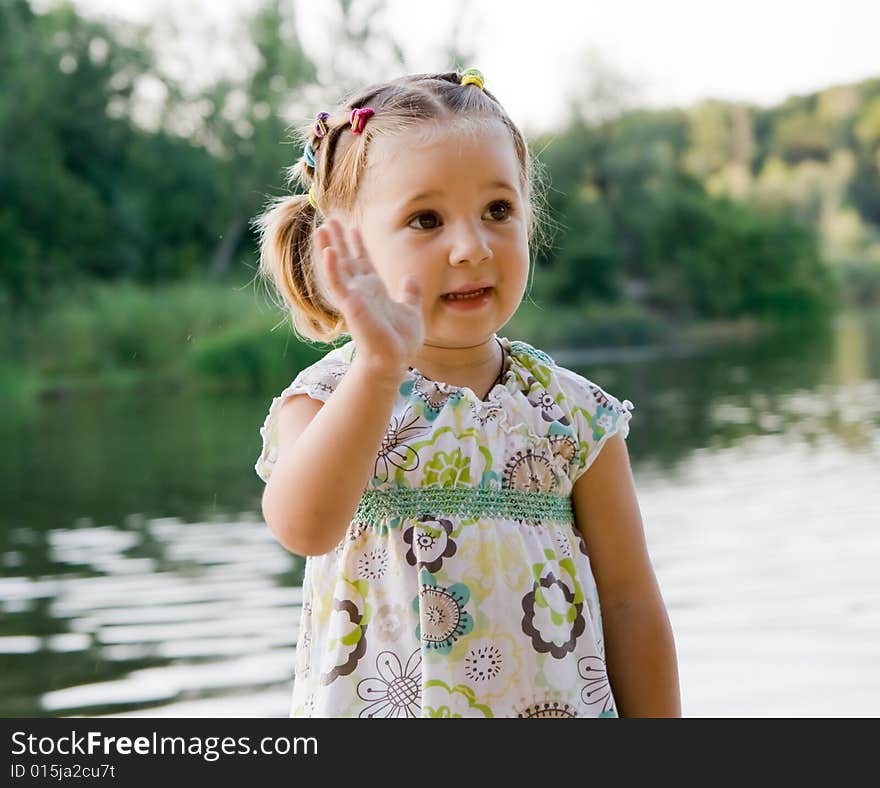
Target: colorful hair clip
x,y
320,125
359,118
309,154
472,76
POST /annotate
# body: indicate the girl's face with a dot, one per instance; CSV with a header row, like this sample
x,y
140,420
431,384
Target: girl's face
x,y
451,210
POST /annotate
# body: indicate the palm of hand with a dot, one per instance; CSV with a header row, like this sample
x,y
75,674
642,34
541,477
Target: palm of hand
x,y
387,331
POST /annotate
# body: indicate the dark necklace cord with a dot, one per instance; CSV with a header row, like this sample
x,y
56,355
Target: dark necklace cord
x,y
500,377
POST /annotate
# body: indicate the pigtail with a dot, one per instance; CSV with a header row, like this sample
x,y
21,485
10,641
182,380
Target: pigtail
x,y
288,261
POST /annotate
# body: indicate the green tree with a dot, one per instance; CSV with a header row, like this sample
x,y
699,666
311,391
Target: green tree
x,y
60,151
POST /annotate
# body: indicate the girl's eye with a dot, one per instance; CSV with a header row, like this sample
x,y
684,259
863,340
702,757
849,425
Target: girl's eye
x,y
422,216
503,206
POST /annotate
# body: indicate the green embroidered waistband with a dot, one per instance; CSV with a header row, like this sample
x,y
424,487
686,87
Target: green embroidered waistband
x,y
378,505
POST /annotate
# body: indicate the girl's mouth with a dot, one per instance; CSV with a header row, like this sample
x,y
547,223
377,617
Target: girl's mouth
x,y
466,296
472,300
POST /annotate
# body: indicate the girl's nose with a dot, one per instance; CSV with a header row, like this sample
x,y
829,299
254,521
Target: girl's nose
x,y
470,245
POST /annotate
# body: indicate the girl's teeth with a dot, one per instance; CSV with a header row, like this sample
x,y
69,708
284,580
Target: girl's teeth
x,y
475,294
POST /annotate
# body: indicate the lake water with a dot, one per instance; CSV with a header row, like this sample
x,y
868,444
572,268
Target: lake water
x,y
138,579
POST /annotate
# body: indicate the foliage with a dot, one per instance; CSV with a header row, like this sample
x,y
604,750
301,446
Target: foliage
x,y
124,325
717,211
259,354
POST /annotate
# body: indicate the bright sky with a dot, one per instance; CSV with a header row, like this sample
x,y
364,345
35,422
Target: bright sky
x,y
533,55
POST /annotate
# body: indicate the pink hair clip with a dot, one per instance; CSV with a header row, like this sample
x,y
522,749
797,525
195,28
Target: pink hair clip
x,y
359,118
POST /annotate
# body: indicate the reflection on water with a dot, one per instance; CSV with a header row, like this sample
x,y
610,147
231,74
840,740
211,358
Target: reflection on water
x,y
768,559
214,621
757,471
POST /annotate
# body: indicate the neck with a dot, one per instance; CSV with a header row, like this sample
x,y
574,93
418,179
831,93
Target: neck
x,y
460,365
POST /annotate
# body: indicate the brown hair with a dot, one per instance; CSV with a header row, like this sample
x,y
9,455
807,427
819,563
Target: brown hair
x,y
288,258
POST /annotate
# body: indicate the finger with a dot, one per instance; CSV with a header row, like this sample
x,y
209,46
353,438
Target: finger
x,y
365,264
338,234
323,237
336,280
342,258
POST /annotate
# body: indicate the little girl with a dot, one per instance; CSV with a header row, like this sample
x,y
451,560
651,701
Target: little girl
x,y
465,503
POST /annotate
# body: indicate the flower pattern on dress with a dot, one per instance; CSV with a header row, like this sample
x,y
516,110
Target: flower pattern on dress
x,y
548,709
579,540
598,687
394,451
389,622
430,541
310,704
530,470
563,446
543,401
397,690
442,617
441,700
324,379
448,469
563,546
553,609
607,412
603,422
483,663
349,624
483,415
427,398
355,531
372,562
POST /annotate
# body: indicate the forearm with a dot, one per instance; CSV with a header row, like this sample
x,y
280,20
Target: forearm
x,y
641,660
315,488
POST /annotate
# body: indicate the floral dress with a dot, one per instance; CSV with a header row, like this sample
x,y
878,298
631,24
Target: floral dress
x,y
462,587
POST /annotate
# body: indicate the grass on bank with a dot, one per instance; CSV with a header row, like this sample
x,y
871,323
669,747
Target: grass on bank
x,y
102,335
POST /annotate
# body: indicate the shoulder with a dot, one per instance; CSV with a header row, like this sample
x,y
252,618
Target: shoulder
x,y
338,357
318,380
586,394
572,403
321,378
566,386
525,351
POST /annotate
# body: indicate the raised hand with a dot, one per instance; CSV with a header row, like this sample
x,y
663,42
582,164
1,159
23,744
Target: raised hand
x,y
386,333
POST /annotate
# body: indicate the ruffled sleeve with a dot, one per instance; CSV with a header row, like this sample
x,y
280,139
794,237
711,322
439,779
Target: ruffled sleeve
x,y
319,381
595,414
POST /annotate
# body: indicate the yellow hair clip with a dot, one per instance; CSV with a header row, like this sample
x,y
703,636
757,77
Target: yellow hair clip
x,y
472,76
312,201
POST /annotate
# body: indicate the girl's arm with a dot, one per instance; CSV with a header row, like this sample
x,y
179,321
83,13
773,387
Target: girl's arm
x,y
325,459
639,647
